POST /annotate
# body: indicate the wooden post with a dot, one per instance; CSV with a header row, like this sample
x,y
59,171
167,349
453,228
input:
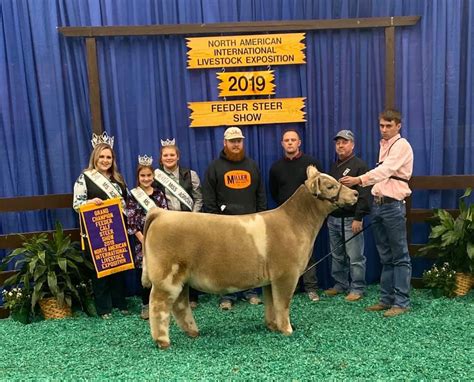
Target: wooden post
x,y
389,67
94,86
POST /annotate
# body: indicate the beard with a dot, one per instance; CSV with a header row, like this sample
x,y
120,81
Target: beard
x,y
234,157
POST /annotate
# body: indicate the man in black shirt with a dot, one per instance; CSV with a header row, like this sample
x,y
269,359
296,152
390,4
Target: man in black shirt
x,y
345,222
286,175
233,186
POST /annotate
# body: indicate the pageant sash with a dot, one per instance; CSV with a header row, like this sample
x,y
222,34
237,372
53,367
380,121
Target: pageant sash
x,y
103,183
107,236
143,199
175,188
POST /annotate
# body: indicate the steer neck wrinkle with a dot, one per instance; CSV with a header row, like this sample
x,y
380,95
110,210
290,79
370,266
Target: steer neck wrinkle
x,y
302,202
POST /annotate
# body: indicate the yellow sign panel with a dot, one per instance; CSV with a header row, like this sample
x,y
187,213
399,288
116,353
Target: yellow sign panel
x,y
246,83
252,50
248,112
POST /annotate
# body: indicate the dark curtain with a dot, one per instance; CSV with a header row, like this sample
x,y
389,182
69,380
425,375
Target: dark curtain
x,y
45,123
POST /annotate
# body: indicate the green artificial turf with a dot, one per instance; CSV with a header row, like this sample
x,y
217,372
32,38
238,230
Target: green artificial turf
x,y
333,339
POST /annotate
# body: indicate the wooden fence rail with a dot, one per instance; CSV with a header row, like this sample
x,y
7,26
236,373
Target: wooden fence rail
x,y
47,202
420,215
30,203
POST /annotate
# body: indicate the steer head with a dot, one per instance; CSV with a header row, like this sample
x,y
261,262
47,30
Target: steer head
x,y
325,187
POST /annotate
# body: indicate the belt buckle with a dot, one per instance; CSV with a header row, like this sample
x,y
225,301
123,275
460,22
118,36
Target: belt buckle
x,y
378,200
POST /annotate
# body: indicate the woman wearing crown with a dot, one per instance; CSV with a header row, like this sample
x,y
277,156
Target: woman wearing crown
x,y
181,186
144,197
98,182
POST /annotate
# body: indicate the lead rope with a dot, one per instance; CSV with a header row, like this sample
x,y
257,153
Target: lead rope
x,y
339,246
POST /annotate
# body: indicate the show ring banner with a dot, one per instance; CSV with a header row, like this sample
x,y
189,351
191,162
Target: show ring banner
x,y
249,50
244,112
107,237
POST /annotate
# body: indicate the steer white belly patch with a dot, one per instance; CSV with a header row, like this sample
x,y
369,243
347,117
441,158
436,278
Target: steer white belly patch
x,y
257,229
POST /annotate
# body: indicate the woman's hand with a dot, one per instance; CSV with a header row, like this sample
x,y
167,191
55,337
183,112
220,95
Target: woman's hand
x,y
96,201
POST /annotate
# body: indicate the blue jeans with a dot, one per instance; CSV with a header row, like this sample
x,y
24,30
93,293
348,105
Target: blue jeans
x,y
391,240
346,259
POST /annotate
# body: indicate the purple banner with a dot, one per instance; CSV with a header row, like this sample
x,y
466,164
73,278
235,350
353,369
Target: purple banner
x,y
107,236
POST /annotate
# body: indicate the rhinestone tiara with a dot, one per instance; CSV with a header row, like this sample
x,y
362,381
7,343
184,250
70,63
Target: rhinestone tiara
x,y
103,138
168,142
145,160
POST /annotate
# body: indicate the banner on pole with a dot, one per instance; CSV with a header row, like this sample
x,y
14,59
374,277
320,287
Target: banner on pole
x,y
107,237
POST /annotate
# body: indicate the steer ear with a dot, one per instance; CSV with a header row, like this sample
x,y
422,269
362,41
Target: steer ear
x,y
312,172
313,185
316,187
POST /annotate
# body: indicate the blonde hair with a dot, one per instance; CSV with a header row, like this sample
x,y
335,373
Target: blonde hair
x,y
115,175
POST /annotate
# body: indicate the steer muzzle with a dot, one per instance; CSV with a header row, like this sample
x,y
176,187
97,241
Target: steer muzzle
x,y
347,196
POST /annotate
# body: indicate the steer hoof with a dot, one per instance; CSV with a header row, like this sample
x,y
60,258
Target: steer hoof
x,y
272,326
193,334
162,344
287,332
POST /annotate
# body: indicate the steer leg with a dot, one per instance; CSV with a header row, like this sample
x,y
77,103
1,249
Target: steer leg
x,y
160,306
183,314
166,289
145,280
269,309
282,291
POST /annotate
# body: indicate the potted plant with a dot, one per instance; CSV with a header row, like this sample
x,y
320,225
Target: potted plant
x,y
18,301
441,279
50,269
452,241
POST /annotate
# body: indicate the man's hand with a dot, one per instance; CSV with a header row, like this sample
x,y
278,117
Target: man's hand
x,y
356,226
350,181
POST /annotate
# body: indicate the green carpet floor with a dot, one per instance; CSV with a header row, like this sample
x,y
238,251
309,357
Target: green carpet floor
x,y
333,340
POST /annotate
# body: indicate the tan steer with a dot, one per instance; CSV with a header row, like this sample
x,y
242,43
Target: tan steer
x,y
221,254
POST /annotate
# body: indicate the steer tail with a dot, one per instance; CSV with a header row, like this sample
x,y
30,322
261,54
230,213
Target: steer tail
x,y
149,218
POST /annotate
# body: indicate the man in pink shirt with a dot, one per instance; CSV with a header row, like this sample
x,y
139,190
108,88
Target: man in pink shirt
x,y
390,179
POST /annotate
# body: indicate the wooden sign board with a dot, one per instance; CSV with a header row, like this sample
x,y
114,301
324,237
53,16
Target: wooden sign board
x,y
246,83
250,50
247,112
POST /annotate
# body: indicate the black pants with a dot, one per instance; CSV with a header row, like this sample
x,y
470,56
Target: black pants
x,y
109,292
144,292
